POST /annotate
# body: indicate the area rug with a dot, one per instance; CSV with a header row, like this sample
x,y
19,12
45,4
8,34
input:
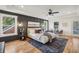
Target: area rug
x,y
56,46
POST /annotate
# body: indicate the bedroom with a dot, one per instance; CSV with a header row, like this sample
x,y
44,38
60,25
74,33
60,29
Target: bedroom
x,y
55,25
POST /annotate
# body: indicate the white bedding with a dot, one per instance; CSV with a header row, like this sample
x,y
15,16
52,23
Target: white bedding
x,y
40,38
52,34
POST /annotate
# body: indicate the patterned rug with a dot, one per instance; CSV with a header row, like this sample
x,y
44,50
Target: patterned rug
x,y
56,46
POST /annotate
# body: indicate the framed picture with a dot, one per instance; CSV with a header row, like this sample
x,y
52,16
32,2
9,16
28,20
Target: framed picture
x,y
33,24
8,25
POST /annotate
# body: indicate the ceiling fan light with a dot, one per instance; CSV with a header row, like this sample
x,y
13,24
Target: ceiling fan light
x,y
49,13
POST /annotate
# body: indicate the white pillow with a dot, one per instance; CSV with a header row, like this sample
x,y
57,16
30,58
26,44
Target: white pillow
x,y
43,39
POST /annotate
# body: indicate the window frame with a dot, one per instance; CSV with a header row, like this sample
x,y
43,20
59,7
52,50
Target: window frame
x,y
1,25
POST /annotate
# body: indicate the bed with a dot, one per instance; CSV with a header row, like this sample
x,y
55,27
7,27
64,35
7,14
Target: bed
x,y
43,37
39,37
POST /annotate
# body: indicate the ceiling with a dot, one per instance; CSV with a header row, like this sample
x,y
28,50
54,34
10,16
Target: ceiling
x,y
41,11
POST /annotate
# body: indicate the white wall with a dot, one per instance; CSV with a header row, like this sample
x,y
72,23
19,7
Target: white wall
x,y
65,22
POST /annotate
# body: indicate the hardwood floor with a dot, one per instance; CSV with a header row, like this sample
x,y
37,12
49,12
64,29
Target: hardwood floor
x,y
72,45
18,46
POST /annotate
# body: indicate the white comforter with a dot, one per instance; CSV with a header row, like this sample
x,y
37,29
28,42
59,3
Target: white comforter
x,y
40,38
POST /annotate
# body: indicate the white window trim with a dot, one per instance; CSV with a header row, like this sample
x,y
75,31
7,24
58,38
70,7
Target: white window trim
x,y
1,30
77,35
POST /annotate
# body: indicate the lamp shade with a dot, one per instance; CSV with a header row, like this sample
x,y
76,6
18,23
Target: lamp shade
x,y
20,25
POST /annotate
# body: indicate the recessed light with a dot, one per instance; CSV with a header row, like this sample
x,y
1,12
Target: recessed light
x,y
22,6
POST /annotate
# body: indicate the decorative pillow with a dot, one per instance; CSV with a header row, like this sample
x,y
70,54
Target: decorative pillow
x,y
49,31
38,31
47,34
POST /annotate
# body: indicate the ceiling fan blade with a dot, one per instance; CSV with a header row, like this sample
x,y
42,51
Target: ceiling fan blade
x,y
51,13
55,12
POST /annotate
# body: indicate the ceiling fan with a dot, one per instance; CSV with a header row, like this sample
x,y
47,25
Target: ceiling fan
x,y
51,12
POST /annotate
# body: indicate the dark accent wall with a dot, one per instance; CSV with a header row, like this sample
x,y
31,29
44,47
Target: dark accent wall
x,y
21,18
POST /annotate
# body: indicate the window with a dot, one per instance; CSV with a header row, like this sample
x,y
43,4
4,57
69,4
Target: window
x,y
44,25
8,25
56,27
76,27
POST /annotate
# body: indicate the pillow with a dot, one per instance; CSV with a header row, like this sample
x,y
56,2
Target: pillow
x,y
48,35
38,31
49,31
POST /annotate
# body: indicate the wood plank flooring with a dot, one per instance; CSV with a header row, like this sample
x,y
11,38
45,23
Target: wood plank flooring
x,y
18,46
72,45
